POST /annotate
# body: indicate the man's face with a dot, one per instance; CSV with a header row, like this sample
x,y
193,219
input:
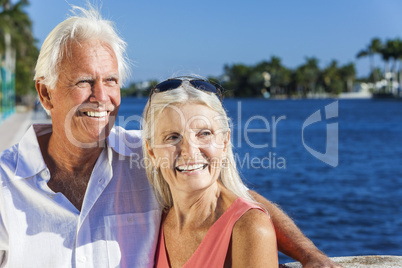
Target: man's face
x,y
86,98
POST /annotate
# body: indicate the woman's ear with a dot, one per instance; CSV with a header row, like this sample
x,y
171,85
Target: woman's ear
x,y
151,153
44,94
226,142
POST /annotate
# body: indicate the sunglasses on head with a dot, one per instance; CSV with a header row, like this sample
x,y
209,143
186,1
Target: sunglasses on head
x,y
174,83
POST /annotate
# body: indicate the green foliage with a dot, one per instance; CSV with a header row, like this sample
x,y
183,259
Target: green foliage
x,y
307,76
271,76
237,84
141,89
16,22
238,80
250,81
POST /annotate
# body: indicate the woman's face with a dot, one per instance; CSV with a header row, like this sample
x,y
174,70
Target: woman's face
x,y
189,146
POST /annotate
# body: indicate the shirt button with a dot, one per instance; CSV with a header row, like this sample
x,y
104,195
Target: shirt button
x,y
130,219
45,173
82,259
101,181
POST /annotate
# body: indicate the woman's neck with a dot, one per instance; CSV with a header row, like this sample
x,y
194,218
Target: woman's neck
x,y
195,209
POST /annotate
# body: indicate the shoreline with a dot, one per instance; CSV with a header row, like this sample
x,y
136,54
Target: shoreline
x,y
377,261
14,127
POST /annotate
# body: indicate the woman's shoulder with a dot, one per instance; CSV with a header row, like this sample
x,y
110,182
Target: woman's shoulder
x,y
254,224
254,240
253,220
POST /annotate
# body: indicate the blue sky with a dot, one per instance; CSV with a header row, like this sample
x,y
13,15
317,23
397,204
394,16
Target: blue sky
x,y
175,37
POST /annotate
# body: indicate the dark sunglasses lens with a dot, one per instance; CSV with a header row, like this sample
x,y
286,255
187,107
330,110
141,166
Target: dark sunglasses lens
x,y
167,85
205,86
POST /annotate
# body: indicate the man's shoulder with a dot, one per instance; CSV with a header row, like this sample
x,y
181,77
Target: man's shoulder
x,y
9,155
8,161
128,133
125,141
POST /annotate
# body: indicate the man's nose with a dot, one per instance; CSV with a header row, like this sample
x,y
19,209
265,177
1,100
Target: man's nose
x,y
99,93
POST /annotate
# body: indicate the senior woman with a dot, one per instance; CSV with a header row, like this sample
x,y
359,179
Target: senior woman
x,y
209,220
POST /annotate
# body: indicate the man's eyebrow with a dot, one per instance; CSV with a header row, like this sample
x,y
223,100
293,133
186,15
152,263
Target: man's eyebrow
x,y
92,78
84,77
113,76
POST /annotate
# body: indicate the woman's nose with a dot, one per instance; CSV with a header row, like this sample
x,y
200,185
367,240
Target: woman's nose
x,y
189,147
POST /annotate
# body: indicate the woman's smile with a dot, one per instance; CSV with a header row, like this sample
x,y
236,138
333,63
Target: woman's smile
x,y
191,168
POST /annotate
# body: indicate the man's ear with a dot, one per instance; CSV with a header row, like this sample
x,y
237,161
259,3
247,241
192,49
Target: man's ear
x,y
44,94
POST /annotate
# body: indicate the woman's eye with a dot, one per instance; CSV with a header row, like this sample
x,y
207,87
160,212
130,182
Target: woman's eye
x,y
205,133
173,138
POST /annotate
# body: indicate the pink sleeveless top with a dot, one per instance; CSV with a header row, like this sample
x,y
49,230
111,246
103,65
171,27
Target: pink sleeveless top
x,y
213,248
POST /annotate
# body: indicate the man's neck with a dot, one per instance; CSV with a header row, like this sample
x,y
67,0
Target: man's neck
x,y
70,167
66,156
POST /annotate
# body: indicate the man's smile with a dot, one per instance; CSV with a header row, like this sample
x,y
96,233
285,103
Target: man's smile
x,y
96,114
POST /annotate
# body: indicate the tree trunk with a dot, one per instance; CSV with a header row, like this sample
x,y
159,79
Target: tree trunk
x,y
386,73
373,71
6,5
400,78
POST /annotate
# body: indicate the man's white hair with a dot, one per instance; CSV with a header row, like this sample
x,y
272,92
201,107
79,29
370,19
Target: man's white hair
x,y
83,25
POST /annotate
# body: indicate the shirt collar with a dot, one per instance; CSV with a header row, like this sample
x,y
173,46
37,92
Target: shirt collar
x,y
30,160
124,142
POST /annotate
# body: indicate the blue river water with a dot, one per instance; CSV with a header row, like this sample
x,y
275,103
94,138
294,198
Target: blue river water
x,y
338,173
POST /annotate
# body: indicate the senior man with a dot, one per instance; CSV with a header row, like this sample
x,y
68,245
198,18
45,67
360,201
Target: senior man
x,y
69,196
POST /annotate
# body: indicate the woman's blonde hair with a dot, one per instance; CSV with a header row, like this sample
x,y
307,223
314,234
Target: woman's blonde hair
x,y
184,94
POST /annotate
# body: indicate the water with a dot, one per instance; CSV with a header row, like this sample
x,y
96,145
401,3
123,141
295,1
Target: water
x,y
353,208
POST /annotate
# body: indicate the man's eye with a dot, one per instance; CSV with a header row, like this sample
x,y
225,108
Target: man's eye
x,y
111,82
84,83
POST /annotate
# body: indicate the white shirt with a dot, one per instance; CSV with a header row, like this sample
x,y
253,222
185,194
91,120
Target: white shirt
x,y
118,224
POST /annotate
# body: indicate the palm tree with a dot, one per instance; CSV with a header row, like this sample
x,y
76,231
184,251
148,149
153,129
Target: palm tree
x,y
387,53
307,76
15,23
398,55
331,79
373,48
348,74
275,76
237,84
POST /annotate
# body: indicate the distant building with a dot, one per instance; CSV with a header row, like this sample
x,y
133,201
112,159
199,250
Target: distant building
x,y
7,81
